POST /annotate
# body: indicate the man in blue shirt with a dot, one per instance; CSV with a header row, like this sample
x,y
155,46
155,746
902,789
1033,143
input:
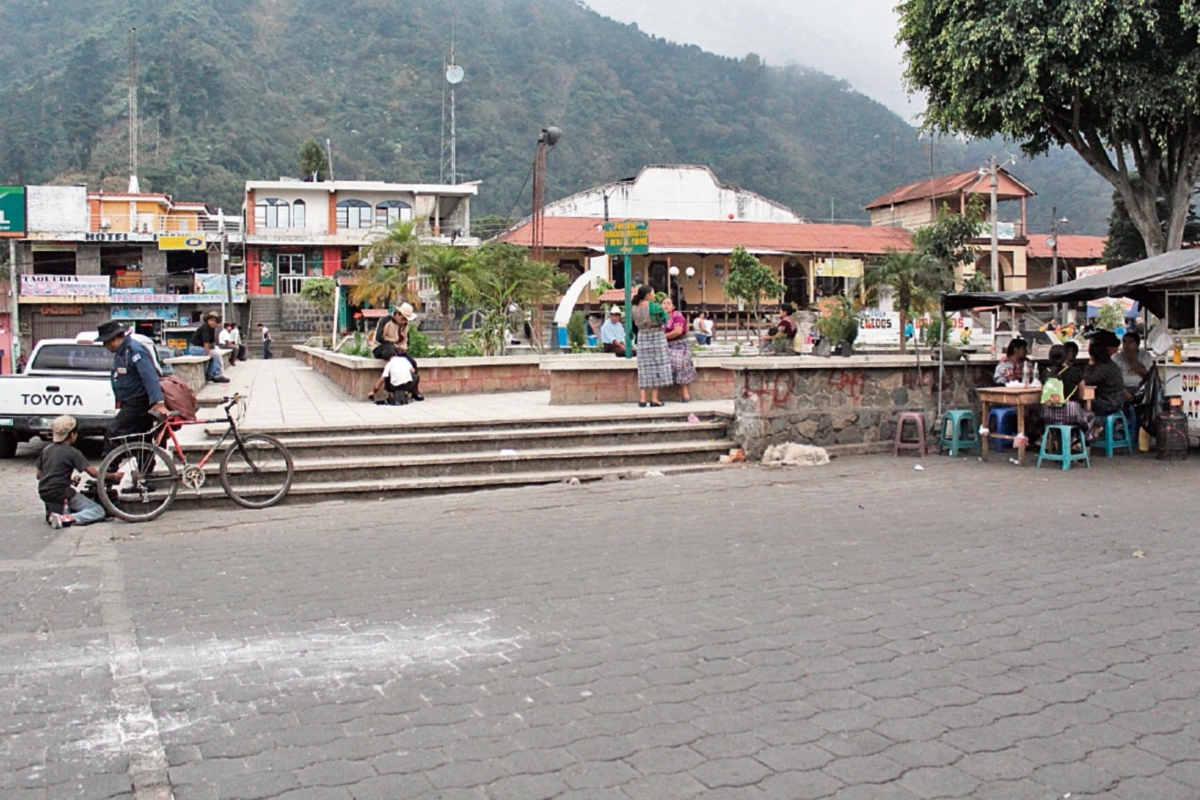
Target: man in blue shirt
x,y
612,333
135,384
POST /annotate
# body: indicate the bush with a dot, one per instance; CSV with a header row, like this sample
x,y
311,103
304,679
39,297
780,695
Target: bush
x,y
840,323
419,345
577,332
359,347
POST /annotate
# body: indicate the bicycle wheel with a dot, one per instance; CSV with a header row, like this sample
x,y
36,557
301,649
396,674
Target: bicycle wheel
x,y
257,473
146,489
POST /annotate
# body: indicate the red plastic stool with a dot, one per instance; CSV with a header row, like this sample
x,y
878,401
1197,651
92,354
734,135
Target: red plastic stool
x,y
901,443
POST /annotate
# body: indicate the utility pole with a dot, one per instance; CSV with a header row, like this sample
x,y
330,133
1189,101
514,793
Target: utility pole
x,y
133,114
14,279
228,298
994,170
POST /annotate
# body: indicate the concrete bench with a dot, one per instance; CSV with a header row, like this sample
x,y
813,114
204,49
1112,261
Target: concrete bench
x,y
192,369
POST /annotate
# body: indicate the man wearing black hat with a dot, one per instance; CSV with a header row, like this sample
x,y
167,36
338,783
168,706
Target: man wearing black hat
x,y
135,384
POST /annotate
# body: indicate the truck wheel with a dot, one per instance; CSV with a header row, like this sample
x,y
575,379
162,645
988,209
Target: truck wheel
x,y
8,445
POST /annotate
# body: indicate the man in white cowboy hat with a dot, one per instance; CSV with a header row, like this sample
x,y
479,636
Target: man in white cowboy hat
x,y
392,337
612,333
56,467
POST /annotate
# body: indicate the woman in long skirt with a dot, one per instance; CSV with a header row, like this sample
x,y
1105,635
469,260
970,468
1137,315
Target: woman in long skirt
x,y
679,349
653,360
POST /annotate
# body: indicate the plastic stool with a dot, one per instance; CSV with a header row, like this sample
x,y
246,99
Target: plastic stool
x,y
901,443
1111,440
963,432
1066,437
1002,420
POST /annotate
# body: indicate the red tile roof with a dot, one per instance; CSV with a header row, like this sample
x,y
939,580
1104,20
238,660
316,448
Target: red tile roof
x,y
953,185
697,236
1082,247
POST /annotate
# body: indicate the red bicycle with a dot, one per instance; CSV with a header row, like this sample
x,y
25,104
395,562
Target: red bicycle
x,y
256,470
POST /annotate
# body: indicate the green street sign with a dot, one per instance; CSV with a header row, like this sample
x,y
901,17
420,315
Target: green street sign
x,y
627,238
12,211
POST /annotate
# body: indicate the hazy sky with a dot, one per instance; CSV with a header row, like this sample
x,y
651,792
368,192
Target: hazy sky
x,y
849,39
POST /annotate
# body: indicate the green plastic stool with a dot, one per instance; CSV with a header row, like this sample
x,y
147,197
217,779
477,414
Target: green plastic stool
x,y
1066,437
1113,440
963,432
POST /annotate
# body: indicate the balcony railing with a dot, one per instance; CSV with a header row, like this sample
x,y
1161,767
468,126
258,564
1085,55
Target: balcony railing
x,y
291,284
162,223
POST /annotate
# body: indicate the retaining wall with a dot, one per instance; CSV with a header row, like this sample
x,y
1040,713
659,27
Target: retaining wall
x,y
843,401
584,380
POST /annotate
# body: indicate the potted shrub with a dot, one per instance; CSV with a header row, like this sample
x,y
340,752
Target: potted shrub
x,y
839,324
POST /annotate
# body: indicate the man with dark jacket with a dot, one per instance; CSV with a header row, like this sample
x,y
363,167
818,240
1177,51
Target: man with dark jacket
x,y
204,343
135,384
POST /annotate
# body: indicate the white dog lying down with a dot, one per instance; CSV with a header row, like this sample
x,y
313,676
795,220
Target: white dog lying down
x,y
795,455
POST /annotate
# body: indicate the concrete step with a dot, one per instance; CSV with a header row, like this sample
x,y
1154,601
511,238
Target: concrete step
x,y
475,441
495,462
633,419
369,489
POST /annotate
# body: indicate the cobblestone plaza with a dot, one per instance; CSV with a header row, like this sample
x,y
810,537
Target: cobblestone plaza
x,y
863,630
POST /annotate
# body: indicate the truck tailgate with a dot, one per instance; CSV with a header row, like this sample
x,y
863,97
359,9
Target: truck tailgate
x,y
51,395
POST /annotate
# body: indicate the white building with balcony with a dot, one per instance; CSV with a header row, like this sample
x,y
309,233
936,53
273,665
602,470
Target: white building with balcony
x,y
297,230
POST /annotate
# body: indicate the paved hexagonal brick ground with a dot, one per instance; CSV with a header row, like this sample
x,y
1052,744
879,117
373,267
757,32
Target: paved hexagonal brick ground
x,y
861,630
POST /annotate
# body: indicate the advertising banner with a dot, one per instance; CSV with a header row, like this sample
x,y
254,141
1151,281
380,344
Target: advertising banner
x,y
878,327
143,313
64,286
184,242
215,284
12,211
839,268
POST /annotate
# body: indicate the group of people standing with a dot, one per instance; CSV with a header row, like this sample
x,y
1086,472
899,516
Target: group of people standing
x,y
664,351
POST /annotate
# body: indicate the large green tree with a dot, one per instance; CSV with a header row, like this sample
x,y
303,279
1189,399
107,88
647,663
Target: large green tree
x,y
1118,81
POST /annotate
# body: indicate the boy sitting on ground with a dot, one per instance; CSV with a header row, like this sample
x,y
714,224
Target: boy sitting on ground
x,y
397,380
56,466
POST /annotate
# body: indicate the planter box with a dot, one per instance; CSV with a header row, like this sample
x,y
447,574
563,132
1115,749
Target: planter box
x,y
439,376
591,379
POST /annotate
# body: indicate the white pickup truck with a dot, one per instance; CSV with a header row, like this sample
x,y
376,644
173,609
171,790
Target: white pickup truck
x,y
63,376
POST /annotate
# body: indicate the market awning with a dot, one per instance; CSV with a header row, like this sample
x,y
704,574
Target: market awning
x,y
1144,281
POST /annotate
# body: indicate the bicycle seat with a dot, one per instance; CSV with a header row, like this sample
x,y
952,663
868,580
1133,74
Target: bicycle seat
x,y
173,414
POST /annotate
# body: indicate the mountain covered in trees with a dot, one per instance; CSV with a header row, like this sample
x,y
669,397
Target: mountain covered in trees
x,y
229,89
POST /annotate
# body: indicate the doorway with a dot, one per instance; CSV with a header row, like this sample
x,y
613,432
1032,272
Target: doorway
x,y
795,281
291,272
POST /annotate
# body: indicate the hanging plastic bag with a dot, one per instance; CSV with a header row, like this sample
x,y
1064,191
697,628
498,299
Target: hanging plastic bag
x,y
1148,401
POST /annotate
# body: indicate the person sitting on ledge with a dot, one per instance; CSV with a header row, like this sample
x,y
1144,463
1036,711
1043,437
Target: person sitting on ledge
x,y
612,333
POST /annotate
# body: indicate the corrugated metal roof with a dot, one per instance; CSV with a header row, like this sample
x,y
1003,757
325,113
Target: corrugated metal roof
x,y
951,185
690,236
1068,246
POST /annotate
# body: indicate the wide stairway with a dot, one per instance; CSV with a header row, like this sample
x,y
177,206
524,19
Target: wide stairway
x,y
374,461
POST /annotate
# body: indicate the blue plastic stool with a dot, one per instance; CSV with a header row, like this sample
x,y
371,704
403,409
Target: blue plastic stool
x,y
1066,437
1002,420
960,432
1112,441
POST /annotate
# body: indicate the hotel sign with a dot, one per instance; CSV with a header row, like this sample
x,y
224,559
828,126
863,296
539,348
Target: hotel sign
x,y
108,238
12,211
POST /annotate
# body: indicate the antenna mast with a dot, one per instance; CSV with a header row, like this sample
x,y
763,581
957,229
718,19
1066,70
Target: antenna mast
x,y
454,76
133,111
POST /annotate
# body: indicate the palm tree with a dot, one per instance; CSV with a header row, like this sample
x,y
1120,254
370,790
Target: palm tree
x,y
915,280
389,257
446,268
